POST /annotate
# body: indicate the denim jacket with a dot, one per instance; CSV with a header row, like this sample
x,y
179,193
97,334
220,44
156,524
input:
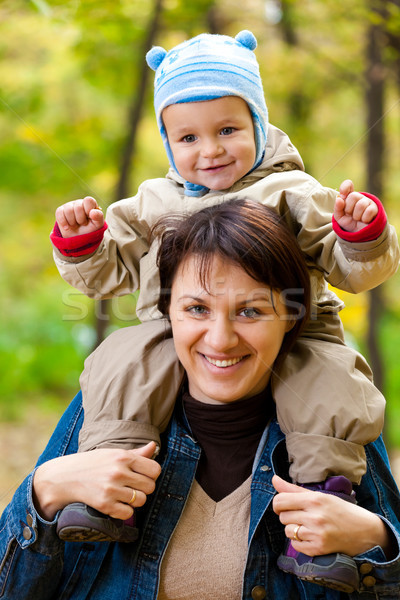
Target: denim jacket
x,y
36,565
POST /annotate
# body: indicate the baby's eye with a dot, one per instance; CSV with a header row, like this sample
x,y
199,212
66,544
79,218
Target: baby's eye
x,y
189,138
227,130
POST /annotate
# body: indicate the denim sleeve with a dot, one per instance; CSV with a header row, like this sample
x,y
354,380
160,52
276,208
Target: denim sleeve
x,y
378,492
31,554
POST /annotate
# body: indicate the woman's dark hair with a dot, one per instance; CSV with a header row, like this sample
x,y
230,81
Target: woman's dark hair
x,y
246,234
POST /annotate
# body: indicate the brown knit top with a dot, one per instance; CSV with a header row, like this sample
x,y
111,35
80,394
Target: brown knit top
x,y
228,435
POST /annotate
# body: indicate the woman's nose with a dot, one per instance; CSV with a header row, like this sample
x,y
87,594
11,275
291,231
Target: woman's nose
x,y
221,335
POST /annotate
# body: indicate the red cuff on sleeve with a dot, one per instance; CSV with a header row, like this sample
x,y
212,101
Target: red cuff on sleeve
x,y
77,245
371,232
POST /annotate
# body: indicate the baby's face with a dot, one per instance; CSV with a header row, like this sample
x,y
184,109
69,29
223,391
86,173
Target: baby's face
x,y
212,141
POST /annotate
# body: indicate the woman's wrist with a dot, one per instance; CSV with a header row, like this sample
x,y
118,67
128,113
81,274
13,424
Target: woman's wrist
x,y
45,498
376,534
387,540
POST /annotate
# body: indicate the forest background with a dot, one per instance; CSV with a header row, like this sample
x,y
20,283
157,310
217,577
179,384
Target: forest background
x,y
76,119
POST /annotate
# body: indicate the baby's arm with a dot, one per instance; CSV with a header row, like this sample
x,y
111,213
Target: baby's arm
x,y
79,217
105,262
354,261
353,211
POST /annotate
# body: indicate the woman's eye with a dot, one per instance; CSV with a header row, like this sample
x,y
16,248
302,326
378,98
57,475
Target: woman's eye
x,y
197,310
189,138
226,130
249,313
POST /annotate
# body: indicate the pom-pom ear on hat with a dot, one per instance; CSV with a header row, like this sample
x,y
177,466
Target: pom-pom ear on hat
x,y
247,39
155,56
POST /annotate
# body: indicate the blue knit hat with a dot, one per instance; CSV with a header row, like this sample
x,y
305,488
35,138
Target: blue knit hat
x,y
207,67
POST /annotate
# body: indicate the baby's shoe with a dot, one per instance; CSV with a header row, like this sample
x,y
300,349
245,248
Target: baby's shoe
x,y
81,523
337,571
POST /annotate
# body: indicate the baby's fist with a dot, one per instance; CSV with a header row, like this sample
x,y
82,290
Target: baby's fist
x,y
79,217
352,210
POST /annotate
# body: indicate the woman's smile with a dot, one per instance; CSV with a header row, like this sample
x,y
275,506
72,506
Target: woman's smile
x,y
223,363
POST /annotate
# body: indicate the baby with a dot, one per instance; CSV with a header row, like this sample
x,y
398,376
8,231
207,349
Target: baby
x,y
211,112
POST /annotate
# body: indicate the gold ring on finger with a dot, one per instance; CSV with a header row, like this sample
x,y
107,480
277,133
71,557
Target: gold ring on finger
x,y
132,500
296,534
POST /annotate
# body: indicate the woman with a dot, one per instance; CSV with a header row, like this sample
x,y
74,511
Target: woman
x,y
236,292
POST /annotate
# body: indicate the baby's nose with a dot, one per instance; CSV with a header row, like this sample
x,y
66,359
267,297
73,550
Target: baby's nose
x,y
211,148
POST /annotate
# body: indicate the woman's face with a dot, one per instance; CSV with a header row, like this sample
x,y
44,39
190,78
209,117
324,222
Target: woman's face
x,y
227,337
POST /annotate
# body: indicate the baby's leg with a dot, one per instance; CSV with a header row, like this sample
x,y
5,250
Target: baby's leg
x,y
328,408
129,387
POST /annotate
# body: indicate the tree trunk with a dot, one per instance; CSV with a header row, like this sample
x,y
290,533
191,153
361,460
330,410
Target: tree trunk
x,y
136,105
217,20
134,114
298,102
393,37
374,99
289,34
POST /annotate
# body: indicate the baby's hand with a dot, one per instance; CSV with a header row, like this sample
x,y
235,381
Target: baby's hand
x,y
353,211
79,217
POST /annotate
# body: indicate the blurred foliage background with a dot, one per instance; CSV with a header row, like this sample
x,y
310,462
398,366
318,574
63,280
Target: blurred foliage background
x,y
71,72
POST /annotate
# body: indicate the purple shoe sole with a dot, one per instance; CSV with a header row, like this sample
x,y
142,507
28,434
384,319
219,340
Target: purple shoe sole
x,y
80,523
341,574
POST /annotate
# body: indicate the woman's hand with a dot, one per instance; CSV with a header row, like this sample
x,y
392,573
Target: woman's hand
x,y
328,524
104,479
